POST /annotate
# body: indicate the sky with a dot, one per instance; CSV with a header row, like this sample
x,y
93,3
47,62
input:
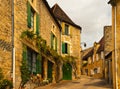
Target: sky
x,y
91,15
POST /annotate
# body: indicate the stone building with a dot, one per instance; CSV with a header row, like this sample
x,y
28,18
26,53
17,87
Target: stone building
x,y
108,53
93,60
116,42
6,38
70,37
32,17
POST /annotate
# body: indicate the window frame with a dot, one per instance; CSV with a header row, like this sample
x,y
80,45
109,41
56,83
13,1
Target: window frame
x,y
66,30
66,47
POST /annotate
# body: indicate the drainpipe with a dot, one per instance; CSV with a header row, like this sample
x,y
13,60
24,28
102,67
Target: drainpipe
x,y
13,49
116,67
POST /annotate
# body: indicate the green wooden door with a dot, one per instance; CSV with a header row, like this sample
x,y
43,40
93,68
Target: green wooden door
x,y
50,70
67,72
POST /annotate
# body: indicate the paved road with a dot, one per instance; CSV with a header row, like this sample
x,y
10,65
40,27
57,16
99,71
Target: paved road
x,y
83,83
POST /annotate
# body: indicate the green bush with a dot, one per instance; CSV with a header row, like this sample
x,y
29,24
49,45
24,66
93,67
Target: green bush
x,y
6,84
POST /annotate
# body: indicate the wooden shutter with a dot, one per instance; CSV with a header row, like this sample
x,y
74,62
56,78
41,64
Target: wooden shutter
x,y
56,43
63,47
29,14
37,24
51,40
38,64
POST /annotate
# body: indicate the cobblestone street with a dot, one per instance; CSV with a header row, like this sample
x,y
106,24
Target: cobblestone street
x,y
83,83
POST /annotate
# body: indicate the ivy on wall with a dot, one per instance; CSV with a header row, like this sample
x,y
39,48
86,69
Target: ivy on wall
x,y
43,50
25,73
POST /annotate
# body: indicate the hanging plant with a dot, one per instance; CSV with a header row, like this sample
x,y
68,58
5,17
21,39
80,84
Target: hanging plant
x,y
28,34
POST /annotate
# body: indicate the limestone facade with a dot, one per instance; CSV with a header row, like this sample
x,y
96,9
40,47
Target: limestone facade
x,y
116,42
93,61
5,38
47,25
108,53
70,37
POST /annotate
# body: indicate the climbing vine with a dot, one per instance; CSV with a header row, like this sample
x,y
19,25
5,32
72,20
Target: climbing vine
x,y
44,50
25,73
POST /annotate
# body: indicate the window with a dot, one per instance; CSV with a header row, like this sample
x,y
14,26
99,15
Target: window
x,y
53,41
66,29
31,58
31,18
65,48
95,70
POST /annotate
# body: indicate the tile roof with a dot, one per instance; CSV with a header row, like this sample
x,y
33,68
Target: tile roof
x,y
87,53
62,16
49,9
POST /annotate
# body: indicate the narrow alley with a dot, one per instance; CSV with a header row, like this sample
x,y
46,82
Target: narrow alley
x,y
83,83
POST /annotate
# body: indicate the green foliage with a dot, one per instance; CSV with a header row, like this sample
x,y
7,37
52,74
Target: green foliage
x,y
28,34
25,74
69,59
4,83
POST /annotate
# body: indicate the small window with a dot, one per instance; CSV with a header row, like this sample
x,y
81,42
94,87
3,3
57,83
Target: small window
x,y
65,48
66,29
95,70
53,41
31,58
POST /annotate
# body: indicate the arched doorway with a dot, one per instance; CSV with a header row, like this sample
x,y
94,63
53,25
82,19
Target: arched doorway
x,y
67,71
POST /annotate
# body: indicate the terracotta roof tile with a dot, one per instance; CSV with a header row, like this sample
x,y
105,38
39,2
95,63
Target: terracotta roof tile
x,y
87,53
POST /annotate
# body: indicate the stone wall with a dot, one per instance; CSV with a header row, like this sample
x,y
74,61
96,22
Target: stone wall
x,y
118,40
46,26
5,37
73,39
108,39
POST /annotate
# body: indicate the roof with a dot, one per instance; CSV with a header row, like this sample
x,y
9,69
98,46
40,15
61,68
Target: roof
x,y
101,42
87,53
62,16
49,9
112,2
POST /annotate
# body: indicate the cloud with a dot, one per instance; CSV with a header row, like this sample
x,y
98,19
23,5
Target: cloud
x,y
91,15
